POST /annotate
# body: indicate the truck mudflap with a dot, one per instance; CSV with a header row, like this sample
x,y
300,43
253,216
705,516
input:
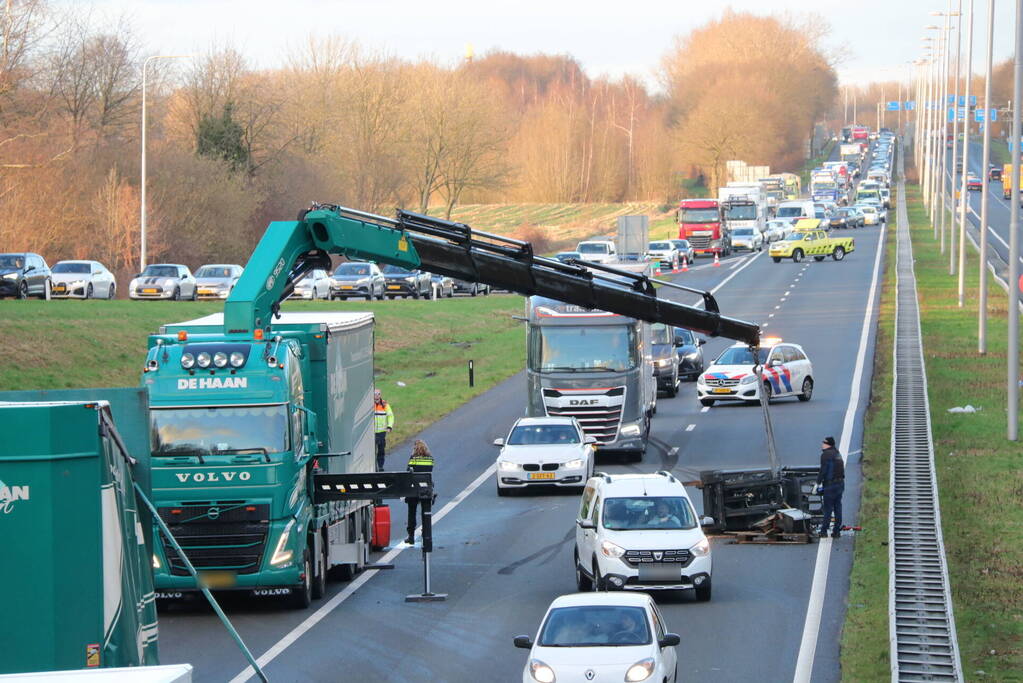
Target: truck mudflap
x,y
738,499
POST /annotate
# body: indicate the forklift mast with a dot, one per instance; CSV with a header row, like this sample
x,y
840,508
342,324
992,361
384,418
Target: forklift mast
x,y
290,249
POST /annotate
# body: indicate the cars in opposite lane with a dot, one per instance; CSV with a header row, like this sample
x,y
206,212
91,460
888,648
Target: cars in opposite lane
x,y
315,285
82,280
544,451
23,275
216,280
357,279
406,283
171,281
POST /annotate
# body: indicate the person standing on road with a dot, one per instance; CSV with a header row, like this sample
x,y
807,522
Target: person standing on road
x,y
831,483
420,461
383,418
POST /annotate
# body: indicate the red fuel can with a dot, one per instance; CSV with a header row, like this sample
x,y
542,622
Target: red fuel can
x,y
381,527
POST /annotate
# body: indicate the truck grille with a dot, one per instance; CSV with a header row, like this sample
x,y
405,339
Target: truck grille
x,y
699,242
637,557
231,537
598,421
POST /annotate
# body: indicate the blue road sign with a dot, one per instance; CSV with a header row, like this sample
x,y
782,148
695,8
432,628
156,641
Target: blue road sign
x,y
892,105
978,114
962,113
909,105
951,99
962,100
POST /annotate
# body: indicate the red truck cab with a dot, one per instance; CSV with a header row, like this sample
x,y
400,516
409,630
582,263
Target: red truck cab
x,y
860,133
699,222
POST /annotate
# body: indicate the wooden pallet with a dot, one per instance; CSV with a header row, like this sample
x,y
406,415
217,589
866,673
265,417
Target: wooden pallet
x,y
772,537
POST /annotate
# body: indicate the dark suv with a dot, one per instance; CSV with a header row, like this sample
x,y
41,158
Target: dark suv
x,y
402,282
24,275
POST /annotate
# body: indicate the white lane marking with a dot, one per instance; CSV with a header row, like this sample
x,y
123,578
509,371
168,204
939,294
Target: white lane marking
x,y
726,280
782,299
992,231
333,603
690,428
787,292
777,307
705,409
771,315
815,605
764,325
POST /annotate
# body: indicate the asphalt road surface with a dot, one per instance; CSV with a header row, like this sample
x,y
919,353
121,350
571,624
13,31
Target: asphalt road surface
x,y
502,560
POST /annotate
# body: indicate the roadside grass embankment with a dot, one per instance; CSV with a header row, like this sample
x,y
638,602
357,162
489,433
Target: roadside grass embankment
x,y
426,345
980,479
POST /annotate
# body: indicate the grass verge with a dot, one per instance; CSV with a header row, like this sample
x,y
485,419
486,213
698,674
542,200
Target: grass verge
x,y
426,345
865,634
979,477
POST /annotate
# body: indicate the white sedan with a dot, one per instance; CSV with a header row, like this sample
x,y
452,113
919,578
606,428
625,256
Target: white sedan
x,y
602,636
544,450
777,230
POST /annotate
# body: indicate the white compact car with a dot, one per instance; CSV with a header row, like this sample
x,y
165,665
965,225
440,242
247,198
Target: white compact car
x,y
786,371
82,280
640,532
664,252
598,251
544,450
747,238
871,216
164,281
601,637
315,285
777,230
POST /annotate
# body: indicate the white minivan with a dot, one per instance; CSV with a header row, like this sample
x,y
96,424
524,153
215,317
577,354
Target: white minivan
x,y
597,251
794,210
640,532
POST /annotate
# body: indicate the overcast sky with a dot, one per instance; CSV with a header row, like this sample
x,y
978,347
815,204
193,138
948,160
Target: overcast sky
x,y
876,37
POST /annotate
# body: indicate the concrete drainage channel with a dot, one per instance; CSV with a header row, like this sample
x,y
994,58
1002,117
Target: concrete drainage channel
x,y
921,623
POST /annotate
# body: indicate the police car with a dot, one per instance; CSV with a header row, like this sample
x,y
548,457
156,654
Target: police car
x,y
786,371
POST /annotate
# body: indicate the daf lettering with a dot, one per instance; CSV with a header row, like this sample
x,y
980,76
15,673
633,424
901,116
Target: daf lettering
x,y
185,477
583,401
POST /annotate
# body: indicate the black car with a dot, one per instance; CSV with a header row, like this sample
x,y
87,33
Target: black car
x,y
24,275
407,283
689,351
357,278
471,288
665,365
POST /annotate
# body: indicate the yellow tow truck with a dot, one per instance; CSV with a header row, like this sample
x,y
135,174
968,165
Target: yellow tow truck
x,y
810,239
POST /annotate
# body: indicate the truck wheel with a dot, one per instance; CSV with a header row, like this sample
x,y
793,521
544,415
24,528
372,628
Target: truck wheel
x,y
320,578
582,582
797,255
838,254
807,390
302,596
776,259
818,258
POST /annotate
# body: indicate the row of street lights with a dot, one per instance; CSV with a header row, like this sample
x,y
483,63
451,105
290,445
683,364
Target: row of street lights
x,y
932,88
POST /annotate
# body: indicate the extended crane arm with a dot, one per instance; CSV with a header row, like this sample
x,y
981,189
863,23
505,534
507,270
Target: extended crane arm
x,y
290,249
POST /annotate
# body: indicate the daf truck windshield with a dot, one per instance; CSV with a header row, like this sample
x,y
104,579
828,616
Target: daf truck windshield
x,y
240,430
699,216
606,348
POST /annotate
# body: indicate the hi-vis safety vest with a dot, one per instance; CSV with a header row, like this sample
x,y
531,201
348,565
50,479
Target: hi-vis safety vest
x,y
421,461
383,416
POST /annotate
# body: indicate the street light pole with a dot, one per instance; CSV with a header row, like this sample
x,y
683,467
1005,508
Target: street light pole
x,y
955,140
142,187
964,187
1017,97
982,311
939,182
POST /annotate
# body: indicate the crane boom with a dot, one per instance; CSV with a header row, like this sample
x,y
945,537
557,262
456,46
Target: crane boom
x,y
290,249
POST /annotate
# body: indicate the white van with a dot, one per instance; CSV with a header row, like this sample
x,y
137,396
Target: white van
x,y
640,532
794,210
597,251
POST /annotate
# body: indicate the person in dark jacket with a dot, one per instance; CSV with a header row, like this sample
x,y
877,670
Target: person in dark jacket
x,y
420,461
831,483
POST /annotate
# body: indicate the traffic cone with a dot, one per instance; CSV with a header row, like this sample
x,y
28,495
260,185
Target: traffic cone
x,y
717,261
685,265
657,269
674,267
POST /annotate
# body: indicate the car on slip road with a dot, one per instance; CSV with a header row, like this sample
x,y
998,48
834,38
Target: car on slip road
x,y
82,280
216,280
24,275
601,637
172,281
552,451
407,283
357,278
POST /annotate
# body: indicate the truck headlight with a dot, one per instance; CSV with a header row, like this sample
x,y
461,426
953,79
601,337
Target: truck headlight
x,y
630,430
640,671
220,359
748,379
611,549
203,360
506,466
281,554
237,359
701,549
574,464
187,361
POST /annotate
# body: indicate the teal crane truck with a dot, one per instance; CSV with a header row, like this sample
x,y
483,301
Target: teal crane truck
x,y
248,408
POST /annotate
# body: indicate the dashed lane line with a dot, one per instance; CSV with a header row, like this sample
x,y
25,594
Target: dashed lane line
x,y
690,428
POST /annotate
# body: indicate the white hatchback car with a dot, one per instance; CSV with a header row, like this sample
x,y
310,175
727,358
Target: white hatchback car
x,y
601,637
544,450
82,280
315,285
640,532
786,371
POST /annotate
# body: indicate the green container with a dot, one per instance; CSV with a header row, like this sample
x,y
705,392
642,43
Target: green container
x,y
76,562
